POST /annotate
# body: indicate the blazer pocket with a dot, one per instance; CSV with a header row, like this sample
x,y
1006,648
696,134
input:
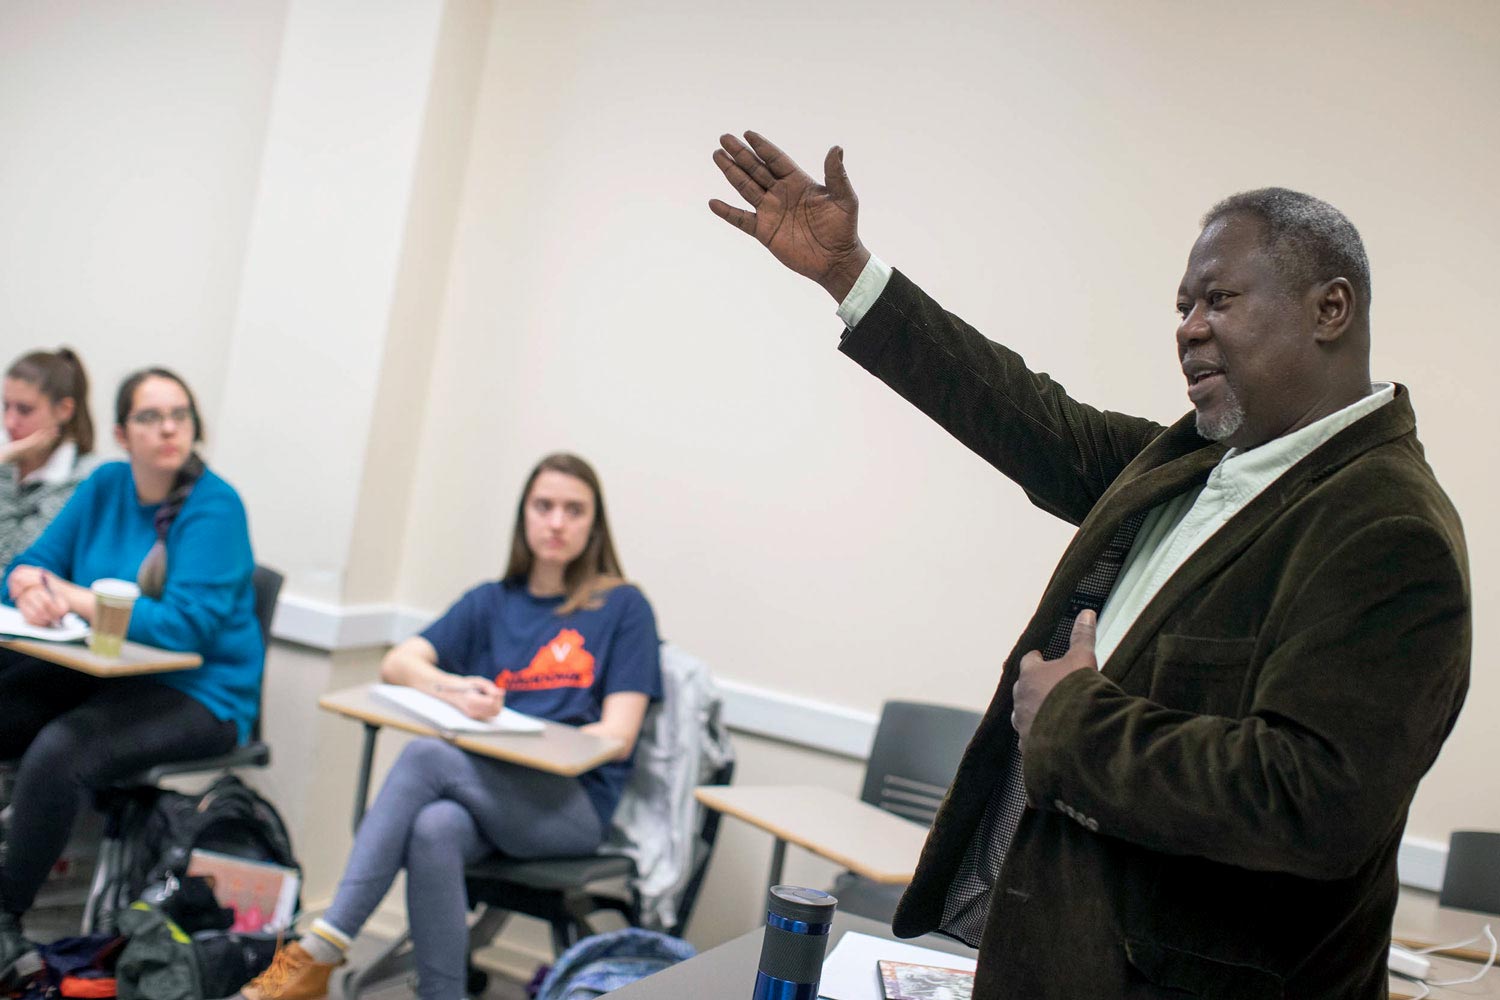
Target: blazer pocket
x,y
1201,976
1207,676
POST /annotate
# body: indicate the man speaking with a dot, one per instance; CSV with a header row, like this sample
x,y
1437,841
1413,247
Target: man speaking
x,y
1194,775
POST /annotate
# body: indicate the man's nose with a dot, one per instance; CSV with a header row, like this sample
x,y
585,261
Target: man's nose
x,y
1193,328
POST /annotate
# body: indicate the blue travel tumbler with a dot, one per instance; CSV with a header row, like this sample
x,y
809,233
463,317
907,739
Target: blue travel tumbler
x,y
791,955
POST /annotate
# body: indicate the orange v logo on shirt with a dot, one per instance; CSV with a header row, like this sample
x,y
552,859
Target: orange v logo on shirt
x,y
561,662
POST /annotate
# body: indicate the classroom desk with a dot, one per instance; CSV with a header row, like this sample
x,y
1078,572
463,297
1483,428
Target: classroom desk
x,y
1420,922
134,658
729,970
881,846
557,749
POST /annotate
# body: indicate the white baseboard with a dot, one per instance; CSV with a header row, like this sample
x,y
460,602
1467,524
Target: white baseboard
x,y
1420,863
806,722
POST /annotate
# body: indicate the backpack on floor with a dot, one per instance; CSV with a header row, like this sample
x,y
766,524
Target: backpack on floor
x,y
162,828
605,962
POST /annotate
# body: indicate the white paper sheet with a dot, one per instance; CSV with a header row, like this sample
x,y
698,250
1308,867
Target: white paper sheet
x,y
449,719
12,623
852,971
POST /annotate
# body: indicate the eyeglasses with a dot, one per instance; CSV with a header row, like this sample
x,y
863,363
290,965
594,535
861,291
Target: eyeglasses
x,y
155,418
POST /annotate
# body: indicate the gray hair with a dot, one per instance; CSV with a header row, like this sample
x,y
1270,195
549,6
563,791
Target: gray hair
x,y
1308,239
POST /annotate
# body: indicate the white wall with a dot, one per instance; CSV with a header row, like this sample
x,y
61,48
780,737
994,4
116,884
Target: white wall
x,y
132,148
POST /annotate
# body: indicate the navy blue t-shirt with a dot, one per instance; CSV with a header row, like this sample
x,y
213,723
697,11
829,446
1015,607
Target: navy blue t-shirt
x,y
556,667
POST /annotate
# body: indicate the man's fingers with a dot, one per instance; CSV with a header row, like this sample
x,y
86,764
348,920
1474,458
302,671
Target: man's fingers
x,y
776,161
749,189
1084,627
751,165
836,179
737,217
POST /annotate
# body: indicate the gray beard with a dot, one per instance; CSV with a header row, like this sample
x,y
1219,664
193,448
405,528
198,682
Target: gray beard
x,y
1226,422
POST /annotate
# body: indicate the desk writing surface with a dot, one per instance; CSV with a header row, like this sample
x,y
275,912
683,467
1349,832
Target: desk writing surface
x,y
871,842
728,971
557,749
134,658
1420,922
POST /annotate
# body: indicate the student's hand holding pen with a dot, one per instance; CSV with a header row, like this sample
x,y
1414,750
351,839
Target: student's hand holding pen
x,y
40,603
476,697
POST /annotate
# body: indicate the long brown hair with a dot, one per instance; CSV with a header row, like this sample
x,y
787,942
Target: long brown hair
x,y
59,375
597,570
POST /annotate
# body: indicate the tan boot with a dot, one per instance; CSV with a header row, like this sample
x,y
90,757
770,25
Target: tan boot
x,y
293,975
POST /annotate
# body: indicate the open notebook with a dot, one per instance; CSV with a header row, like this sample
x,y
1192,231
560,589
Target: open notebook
x,y
439,713
13,625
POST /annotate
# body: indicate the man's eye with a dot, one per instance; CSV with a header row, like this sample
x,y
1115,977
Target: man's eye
x,y
1183,309
1217,299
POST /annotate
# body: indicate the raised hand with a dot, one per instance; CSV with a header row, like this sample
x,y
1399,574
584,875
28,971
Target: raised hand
x,y
812,228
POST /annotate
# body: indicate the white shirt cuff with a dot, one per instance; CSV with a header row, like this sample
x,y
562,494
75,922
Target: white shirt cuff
x,y
867,288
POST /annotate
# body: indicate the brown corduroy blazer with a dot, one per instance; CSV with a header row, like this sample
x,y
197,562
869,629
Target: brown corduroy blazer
x,y
1216,813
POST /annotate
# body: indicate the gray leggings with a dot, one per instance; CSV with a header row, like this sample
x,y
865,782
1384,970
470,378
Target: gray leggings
x,y
440,809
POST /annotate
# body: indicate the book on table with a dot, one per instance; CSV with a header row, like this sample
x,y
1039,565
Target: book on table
x,y
447,719
908,981
866,967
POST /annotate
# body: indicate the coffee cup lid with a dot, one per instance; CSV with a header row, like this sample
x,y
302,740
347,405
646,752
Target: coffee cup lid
x,y
123,589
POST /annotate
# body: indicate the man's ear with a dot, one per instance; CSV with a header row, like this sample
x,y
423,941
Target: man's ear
x,y
1333,304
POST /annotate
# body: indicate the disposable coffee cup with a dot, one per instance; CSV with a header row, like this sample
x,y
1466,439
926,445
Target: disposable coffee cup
x,y
113,602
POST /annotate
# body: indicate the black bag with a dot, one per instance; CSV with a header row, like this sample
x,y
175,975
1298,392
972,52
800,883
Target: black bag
x,y
162,828
227,960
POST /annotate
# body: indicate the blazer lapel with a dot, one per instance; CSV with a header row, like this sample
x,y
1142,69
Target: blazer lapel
x,y
1175,462
1389,422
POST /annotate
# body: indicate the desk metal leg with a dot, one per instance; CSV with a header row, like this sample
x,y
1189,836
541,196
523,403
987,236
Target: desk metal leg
x,y
778,858
362,786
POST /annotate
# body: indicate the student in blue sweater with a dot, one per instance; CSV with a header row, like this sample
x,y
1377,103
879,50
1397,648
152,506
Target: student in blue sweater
x,y
561,636
166,521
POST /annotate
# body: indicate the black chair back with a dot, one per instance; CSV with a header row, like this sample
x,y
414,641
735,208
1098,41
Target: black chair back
x,y
266,583
1471,881
915,756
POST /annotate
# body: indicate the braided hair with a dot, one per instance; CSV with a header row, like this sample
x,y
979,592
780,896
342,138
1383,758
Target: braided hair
x,y
152,576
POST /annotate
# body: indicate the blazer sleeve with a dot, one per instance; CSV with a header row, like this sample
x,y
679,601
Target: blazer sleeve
x,y
1358,692
1063,453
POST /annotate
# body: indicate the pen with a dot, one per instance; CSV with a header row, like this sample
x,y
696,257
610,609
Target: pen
x,y
47,586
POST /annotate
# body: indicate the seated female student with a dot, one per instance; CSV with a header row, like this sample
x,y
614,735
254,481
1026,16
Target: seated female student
x,y
167,522
561,636
51,437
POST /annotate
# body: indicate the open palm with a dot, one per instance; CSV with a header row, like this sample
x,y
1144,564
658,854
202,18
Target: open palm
x,y
812,228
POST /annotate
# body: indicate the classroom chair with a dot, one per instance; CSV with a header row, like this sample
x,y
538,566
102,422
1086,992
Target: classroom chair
x,y
107,892
568,892
912,762
1471,880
